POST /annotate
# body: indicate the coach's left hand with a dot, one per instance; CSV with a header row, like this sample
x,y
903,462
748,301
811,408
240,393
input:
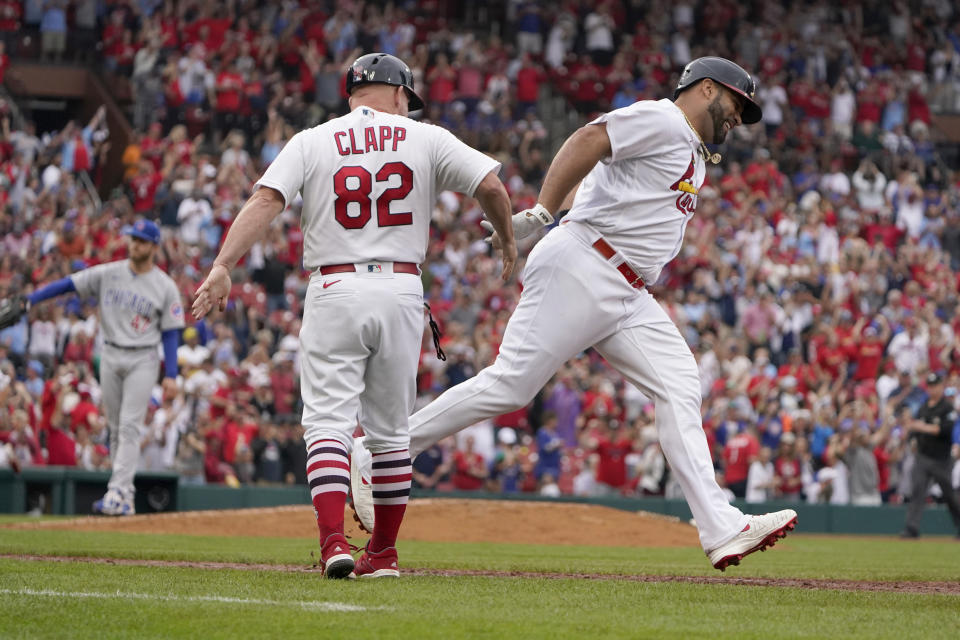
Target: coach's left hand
x,y
214,291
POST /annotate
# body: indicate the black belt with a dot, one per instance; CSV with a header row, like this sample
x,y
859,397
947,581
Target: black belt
x,y
120,346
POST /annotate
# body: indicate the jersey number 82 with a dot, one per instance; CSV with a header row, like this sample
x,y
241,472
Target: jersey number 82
x,y
358,191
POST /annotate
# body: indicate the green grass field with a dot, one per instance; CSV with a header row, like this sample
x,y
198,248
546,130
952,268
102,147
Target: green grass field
x,y
80,599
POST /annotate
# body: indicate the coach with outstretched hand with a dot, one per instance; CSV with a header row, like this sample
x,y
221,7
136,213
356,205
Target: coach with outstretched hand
x,y
369,182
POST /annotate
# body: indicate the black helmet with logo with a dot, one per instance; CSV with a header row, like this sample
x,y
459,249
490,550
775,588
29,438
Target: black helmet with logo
x,y
729,74
383,68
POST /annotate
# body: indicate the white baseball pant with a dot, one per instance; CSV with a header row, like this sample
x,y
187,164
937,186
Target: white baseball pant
x,y
574,299
359,352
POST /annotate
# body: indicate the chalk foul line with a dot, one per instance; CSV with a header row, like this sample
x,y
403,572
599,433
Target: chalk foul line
x,y
154,597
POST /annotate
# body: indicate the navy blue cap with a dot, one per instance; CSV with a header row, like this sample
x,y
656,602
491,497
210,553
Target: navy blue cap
x,y
145,230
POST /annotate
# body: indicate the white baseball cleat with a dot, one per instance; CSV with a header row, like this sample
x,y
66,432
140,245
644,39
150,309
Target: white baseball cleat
x,y
114,503
361,487
761,532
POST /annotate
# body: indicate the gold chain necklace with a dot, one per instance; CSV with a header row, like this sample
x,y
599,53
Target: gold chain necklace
x,y
704,151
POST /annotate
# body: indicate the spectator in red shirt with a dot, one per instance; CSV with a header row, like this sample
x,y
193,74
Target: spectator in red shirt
x,y
883,230
10,14
228,87
442,80
762,175
738,454
153,146
283,384
586,86
788,469
120,55
529,77
799,92
79,349
870,348
4,60
144,186
469,83
85,414
239,429
469,470
801,371
612,447
869,104
818,103
831,360
917,107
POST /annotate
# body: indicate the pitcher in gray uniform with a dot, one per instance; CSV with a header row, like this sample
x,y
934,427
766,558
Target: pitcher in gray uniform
x,y
140,307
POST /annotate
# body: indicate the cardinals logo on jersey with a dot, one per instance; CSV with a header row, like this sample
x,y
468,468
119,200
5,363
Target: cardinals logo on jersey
x,y
687,200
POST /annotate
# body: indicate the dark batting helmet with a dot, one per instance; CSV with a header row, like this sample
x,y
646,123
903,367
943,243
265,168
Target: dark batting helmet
x,y
383,68
729,74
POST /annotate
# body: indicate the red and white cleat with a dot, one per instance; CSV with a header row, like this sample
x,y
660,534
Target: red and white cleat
x,y
335,557
761,532
382,564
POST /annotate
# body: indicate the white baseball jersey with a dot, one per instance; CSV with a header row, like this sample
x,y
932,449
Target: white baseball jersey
x,y
369,181
134,308
643,195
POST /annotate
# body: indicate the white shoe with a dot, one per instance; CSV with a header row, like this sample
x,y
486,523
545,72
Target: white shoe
x,y
114,503
761,532
361,487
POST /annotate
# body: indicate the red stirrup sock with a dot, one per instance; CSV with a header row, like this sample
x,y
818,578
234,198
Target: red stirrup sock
x,y
328,472
391,489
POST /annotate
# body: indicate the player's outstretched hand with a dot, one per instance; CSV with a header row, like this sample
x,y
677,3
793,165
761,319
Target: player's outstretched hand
x,y
169,388
214,291
509,256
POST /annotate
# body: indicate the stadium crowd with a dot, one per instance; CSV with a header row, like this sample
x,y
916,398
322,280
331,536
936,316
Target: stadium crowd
x,y
818,283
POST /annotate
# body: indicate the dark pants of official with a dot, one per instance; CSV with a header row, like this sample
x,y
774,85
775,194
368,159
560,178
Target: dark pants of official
x,y
926,469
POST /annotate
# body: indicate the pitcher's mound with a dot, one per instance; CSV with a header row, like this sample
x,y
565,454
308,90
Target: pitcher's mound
x,y
428,520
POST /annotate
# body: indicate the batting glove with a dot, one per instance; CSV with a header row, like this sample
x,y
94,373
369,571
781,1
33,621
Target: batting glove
x,y
526,222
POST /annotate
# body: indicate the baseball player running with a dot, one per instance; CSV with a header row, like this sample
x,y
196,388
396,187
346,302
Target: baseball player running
x,y
369,181
641,168
139,308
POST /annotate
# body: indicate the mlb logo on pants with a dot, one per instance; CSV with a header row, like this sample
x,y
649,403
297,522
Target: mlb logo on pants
x,y
374,268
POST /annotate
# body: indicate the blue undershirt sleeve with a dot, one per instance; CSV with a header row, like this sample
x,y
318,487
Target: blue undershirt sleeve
x,y
171,340
52,290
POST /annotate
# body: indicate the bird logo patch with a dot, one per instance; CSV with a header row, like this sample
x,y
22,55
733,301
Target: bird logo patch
x,y
687,200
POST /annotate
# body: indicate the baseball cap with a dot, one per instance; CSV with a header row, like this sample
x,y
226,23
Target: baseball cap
x,y
189,332
934,378
145,230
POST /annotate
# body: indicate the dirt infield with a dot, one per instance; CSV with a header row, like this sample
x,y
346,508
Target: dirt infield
x,y
444,520
940,588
